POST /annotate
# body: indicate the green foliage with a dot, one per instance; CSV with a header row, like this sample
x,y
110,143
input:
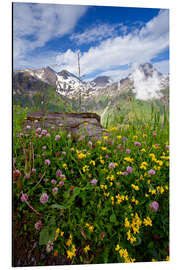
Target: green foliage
x,y
45,98
136,112
86,222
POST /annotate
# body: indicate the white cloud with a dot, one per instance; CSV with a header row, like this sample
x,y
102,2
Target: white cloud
x,y
35,24
137,47
158,26
146,88
97,33
116,75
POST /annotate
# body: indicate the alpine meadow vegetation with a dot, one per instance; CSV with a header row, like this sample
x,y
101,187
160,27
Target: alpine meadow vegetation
x,y
104,201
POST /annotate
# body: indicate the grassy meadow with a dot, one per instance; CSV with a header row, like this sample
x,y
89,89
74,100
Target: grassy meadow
x,y
90,202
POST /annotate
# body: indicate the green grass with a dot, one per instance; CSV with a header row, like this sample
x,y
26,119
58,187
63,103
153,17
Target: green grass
x,y
137,112
110,221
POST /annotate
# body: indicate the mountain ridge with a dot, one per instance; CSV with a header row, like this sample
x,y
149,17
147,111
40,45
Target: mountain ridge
x,y
145,82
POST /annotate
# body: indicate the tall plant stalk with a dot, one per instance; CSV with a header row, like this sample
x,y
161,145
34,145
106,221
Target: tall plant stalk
x,y
79,75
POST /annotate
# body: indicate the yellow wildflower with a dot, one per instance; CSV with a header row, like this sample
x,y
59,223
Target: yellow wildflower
x,y
161,190
126,223
69,242
136,223
57,233
144,165
71,253
157,168
117,247
152,191
132,240
106,194
81,156
153,157
58,230
87,248
92,162
129,159
101,160
91,228
112,200
147,221
114,128
85,168
135,187
165,157
160,162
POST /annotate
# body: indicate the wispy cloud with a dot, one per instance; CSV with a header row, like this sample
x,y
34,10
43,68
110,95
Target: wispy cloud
x,y
96,33
100,32
117,74
36,24
156,28
136,47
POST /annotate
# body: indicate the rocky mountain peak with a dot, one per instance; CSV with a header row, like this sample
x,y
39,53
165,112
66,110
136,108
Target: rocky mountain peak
x,y
148,70
102,81
66,74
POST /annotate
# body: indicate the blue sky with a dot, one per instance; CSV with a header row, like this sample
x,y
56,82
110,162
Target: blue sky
x,y
111,40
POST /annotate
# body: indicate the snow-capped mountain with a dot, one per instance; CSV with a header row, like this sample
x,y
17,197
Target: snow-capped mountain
x,y
45,74
102,81
71,86
145,82
67,84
